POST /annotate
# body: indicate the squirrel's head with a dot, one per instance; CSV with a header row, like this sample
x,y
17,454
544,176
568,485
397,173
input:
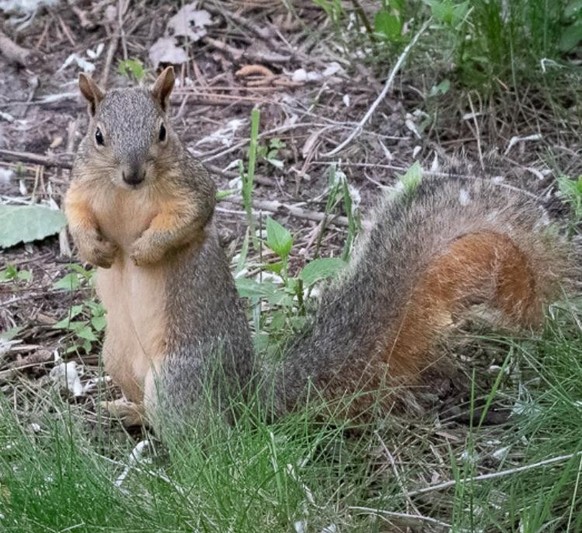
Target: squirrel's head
x,y
129,132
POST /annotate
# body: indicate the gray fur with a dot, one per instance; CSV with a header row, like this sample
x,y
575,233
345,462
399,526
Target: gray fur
x,y
208,344
410,228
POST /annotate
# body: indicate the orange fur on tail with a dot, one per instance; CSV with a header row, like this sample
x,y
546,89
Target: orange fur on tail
x,y
478,268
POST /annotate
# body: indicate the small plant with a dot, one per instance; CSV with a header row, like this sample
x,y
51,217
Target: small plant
x,y
86,320
270,152
389,21
248,176
339,191
492,41
133,69
571,192
284,295
333,9
77,278
13,273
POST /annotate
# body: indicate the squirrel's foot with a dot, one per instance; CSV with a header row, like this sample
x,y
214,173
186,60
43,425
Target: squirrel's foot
x,y
129,413
96,250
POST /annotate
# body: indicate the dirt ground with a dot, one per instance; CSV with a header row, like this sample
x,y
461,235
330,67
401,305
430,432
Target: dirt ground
x,y
251,56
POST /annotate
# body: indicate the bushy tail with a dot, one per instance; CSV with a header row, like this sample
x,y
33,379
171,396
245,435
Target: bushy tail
x,y
434,250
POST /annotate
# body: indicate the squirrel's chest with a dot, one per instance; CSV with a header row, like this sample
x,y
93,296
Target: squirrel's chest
x,y
125,216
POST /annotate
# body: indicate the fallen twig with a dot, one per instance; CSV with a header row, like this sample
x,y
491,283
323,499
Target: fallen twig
x,y
59,161
389,82
403,516
263,33
13,52
495,475
249,54
273,206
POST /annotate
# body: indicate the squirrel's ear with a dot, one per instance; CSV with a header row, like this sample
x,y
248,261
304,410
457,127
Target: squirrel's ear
x,y
163,87
91,91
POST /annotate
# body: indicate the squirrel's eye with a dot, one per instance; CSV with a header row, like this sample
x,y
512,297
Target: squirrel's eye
x,y
99,137
162,133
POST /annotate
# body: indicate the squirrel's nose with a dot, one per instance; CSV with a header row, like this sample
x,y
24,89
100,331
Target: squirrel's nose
x,y
133,176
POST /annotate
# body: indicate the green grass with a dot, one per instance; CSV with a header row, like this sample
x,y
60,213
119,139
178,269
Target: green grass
x,y
60,472
256,477
483,44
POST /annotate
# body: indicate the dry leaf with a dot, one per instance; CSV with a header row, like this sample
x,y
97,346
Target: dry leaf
x,y
190,22
164,50
67,377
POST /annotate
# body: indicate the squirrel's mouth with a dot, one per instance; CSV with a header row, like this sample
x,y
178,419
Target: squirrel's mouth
x,y
133,178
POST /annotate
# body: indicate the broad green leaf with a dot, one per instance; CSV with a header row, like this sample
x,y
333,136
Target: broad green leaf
x,y
69,282
28,223
278,238
67,322
98,323
571,37
12,273
319,269
572,9
447,12
87,333
249,288
267,290
274,267
388,25
261,341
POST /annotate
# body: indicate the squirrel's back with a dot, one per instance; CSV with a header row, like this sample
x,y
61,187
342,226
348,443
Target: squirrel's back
x,y
434,249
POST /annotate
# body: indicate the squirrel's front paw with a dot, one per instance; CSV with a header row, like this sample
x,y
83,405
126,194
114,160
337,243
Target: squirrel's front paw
x,y
96,250
146,252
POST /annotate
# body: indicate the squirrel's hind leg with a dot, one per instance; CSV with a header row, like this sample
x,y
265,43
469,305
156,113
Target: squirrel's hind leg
x,y
129,413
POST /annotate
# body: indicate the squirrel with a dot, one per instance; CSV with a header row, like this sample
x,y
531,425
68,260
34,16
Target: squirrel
x,y
141,209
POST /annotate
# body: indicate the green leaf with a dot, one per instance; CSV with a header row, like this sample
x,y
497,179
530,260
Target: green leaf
x,y
397,5
98,323
388,24
261,341
447,12
571,37
69,282
28,223
132,67
573,9
224,193
278,238
319,269
24,275
249,288
67,322
11,333
9,273
277,267
12,273
412,178
442,88
87,333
